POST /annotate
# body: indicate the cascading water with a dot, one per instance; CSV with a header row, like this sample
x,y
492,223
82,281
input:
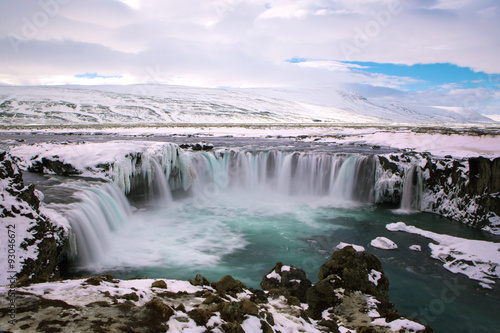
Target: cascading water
x,y
244,211
102,211
411,199
269,176
307,175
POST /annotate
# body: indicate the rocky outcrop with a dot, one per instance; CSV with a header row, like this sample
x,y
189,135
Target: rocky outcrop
x,y
352,294
290,281
466,190
351,271
39,242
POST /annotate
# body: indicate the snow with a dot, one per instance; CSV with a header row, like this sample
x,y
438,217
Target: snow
x,y
274,275
384,243
374,276
79,293
416,248
358,248
89,158
251,324
154,104
15,231
371,304
399,325
479,260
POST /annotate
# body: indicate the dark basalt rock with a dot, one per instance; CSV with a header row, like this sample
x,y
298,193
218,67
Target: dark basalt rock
x,y
292,282
54,165
229,284
348,270
320,297
352,270
47,238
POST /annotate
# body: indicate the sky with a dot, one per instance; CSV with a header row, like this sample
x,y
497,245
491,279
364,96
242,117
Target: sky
x,y
432,52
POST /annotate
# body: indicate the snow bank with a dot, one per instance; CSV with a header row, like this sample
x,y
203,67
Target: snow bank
x,y
383,243
113,160
358,248
479,260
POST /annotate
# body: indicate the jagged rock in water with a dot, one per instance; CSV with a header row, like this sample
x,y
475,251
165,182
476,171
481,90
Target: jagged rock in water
x,y
351,271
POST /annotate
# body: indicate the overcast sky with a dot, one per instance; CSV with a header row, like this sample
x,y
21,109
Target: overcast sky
x,y
438,51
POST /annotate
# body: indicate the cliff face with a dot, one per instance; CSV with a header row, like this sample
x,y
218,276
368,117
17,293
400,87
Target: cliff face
x,y
36,242
466,190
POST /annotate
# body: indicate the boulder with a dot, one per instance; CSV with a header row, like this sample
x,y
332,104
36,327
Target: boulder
x,y
229,284
354,270
292,281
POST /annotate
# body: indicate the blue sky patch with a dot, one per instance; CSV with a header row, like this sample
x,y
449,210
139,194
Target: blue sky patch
x,y
433,76
96,76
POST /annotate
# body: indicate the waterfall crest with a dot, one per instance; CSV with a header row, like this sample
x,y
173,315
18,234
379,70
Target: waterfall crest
x,y
300,174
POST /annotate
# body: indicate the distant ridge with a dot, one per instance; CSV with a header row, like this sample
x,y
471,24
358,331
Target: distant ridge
x,y
158,104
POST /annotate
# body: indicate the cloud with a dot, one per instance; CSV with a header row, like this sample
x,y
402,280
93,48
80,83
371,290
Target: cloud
x,y
242,42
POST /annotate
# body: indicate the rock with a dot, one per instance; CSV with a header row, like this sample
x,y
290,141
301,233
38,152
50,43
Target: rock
x,y
94,281
41,237
353,270
321,296
231,312
200,316
229,284
199,280
250,308
232,328
258,296
54,165
159,312
159,284
291,280
130,297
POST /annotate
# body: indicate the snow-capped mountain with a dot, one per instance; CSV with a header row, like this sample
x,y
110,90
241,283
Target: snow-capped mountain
x,y
160,104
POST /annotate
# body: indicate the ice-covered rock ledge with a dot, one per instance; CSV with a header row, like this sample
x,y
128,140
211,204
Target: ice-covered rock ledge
x,y
464,189
32,237
119,161
346,299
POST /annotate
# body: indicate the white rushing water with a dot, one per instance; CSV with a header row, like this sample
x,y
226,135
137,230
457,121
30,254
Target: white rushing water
x,y
277,182
239,212
411,199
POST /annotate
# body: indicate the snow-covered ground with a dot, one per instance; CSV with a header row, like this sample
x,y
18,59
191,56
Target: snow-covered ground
x,y
162,104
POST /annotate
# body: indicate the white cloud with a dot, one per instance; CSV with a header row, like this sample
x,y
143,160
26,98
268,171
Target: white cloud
x,y
242,42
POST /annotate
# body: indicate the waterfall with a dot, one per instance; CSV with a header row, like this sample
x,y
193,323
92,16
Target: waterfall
x,y
101,212
411,199
355,180
298,174
149,176
159,191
